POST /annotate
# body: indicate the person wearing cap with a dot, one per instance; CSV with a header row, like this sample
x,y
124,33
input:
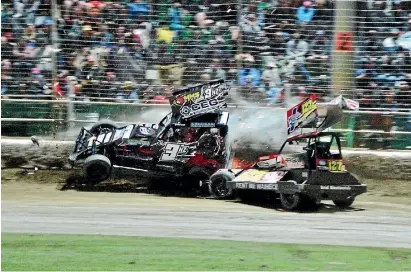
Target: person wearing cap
x,y
305,13
43,35
86,36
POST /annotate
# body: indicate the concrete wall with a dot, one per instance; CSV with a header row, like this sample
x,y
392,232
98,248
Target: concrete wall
x,y
53,155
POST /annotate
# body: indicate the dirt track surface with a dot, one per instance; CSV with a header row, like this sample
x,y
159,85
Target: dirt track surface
x,y
42,208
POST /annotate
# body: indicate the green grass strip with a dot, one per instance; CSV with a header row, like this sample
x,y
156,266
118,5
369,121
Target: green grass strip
x,y
86,253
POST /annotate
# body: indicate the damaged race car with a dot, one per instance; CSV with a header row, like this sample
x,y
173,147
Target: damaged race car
x,y
308,168
188,143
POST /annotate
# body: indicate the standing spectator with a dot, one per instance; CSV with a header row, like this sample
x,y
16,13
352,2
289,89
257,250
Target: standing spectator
x,y
372,44
272,74
391,43
128,92
305,13
175,15
249,75
403,96
24,54
269,91
297,49
26,8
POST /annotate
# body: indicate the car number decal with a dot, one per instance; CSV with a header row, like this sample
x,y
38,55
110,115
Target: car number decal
x,y
172,151
336,166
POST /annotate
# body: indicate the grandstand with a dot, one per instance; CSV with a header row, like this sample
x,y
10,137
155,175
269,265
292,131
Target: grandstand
x,y
130,51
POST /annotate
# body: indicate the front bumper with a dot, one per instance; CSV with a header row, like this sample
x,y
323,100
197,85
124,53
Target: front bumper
x,y
319,192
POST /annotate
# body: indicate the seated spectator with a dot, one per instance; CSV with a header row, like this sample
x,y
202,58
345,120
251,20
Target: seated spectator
x,y
305,13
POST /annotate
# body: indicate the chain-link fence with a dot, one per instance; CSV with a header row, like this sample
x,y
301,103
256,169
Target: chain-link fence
x,y
131,51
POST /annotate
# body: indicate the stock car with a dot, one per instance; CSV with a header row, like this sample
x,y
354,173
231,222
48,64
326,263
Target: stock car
x,y
188,143
308,168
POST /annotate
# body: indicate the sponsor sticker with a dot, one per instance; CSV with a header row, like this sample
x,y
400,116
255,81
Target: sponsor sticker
x,y
174,151
331,187
251,175
202,124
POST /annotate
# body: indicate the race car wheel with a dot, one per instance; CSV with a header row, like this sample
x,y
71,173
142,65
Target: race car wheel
x,y
343,204
217,185
107,124
97,168
290,201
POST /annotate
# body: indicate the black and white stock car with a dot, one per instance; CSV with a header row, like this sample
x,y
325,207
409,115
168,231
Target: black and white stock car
x,y
189,142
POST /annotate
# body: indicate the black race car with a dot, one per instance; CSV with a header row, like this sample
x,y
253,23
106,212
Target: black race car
x,y
189,142
308,168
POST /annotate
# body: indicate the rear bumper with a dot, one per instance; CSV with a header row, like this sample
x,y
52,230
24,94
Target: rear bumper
x,y
333,192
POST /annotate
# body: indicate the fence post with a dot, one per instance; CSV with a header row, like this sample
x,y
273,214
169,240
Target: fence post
x,y
71,117
342,71
240,37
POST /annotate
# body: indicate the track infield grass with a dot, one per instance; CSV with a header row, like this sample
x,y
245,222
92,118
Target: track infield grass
x,y
38,252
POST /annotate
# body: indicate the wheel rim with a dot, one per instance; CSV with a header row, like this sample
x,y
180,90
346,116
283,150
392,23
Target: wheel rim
x,y
289,199
219,187
96,171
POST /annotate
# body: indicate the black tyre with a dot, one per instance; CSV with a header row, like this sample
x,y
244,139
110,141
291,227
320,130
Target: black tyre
x,y
343,204
217,185
103,124
97,168
290,201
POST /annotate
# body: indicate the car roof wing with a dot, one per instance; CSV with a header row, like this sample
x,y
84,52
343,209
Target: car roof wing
x,y
317,117
193,101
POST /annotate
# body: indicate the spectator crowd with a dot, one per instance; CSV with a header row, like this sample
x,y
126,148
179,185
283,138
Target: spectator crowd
x,y
131,49
128,50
